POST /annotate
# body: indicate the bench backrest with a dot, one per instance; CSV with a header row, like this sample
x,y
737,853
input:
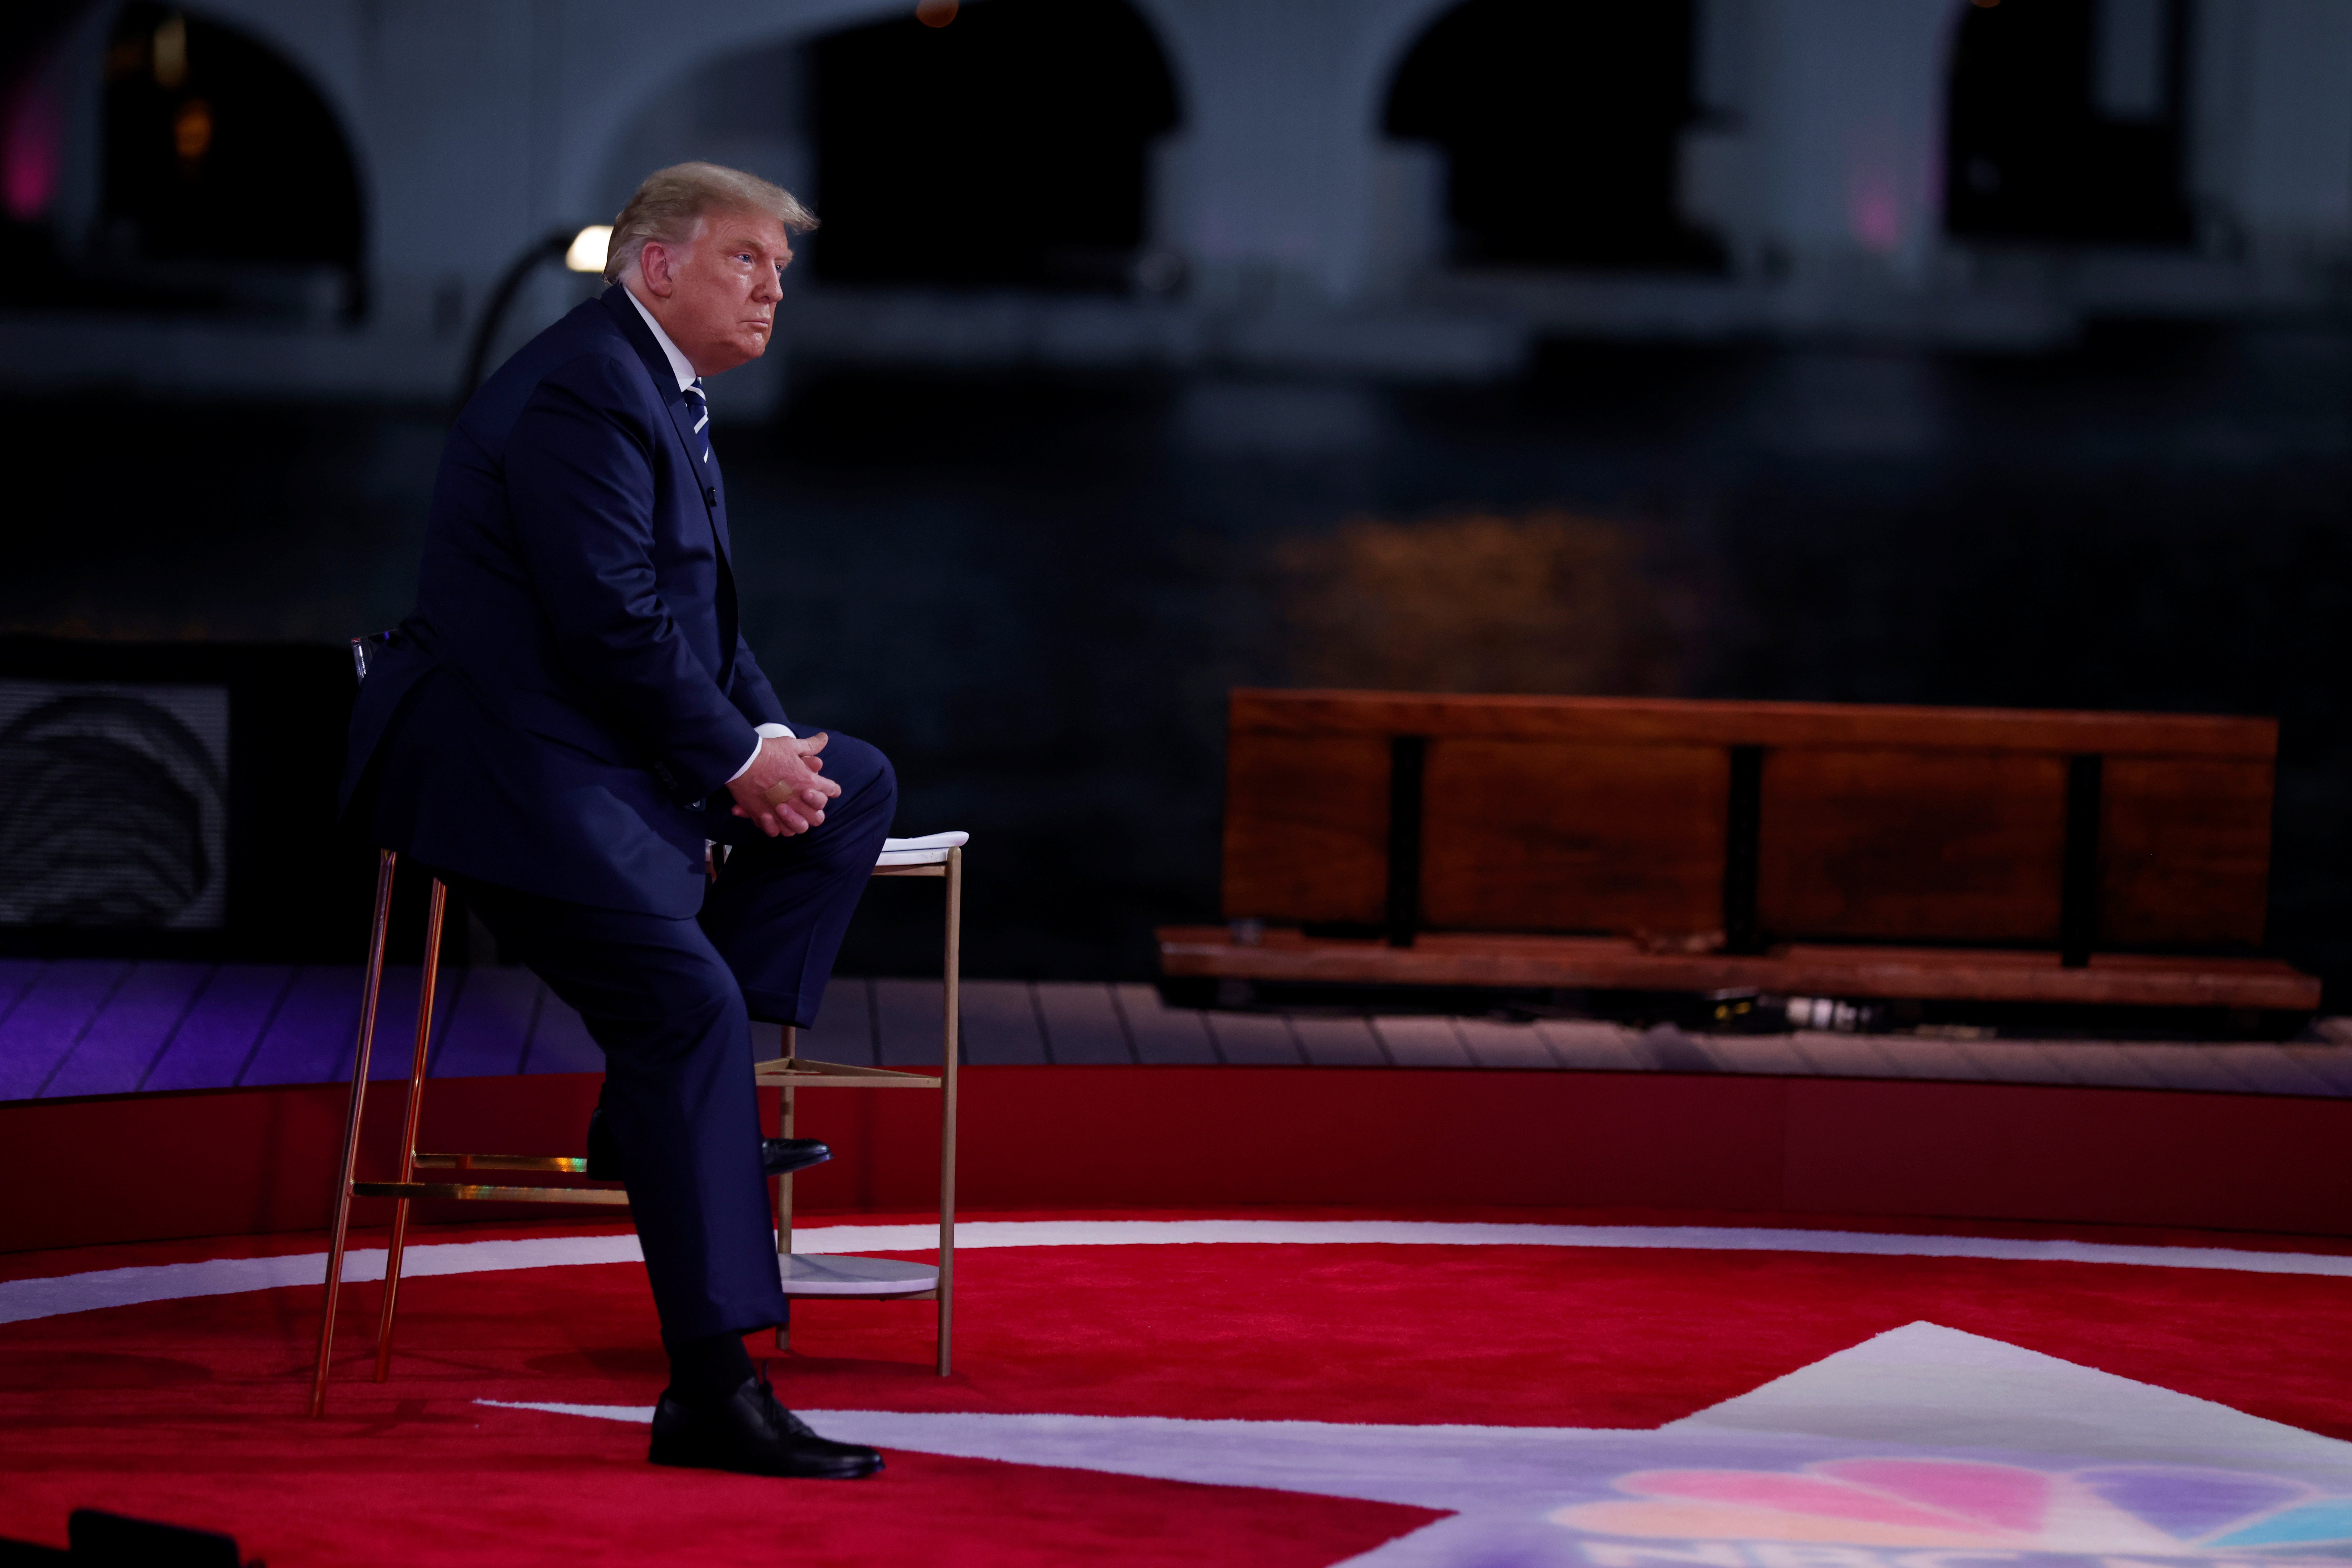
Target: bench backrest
x,y
1762,820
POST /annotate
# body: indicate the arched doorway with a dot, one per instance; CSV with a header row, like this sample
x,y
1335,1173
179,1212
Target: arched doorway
x,y
2066,122
1561,121
1007,146
226,181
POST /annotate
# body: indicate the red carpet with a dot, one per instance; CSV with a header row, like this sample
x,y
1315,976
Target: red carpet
x,y
190,1410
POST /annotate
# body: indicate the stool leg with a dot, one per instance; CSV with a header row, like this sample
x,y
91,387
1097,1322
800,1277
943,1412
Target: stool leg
x,y
408,1136
785,1182
954,975
370,988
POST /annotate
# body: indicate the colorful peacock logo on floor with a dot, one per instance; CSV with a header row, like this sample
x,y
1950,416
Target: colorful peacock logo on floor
x,y
2133,1511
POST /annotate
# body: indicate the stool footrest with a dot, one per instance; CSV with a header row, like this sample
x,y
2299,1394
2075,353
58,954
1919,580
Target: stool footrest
x,y
567,1163
807,1072
461,1190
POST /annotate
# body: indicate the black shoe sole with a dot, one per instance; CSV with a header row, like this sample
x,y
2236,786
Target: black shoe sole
x,y
815,1470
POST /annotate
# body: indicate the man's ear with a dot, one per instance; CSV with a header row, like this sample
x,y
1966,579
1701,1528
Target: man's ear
x,y
655,264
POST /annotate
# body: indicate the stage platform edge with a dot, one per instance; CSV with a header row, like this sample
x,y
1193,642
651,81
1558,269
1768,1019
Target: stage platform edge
x,y
258,1161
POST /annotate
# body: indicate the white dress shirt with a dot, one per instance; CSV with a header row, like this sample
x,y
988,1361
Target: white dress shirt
x,y
683,370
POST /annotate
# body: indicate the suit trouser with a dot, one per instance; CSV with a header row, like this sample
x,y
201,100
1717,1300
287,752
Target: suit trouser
x,y
670,1001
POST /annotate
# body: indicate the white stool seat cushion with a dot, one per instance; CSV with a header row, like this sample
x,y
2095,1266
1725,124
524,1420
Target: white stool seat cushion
x,y
930,851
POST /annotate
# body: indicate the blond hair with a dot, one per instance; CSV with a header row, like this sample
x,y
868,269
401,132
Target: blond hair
x,y
674,200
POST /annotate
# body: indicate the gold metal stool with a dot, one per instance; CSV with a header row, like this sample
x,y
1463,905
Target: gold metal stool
x,y
900,857
407,1189
832,1276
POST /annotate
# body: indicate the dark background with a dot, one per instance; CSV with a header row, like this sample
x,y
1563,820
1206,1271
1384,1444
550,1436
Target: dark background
x,y
1034,591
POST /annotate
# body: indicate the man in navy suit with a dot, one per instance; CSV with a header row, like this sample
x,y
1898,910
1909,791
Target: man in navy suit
x,y
571,715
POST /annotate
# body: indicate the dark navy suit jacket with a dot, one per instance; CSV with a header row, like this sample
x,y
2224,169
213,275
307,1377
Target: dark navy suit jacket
x,y
561,713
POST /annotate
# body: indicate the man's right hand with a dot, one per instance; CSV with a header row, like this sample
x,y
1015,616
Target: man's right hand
x,y
785,790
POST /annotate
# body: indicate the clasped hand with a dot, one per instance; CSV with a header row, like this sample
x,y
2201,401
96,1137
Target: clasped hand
x,y
785,790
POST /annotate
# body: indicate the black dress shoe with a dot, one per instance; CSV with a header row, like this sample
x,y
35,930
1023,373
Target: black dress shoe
x,y
778,1156
752,1434
783,1156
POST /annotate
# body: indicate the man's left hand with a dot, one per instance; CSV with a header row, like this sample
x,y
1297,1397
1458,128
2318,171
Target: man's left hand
x,y
785,790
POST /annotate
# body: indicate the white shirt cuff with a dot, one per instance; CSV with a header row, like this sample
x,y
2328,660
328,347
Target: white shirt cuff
x,y
767,733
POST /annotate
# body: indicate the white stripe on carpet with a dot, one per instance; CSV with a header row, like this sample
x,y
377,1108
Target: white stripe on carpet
x,y
23,1300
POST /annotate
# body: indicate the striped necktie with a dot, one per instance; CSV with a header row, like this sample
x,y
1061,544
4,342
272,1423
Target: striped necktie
x,y
699,406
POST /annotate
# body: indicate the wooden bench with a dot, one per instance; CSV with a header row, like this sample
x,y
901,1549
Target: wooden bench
x,y
1797,848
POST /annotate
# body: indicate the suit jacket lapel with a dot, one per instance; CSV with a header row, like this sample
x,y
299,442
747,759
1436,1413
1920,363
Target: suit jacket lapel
x,y
704,475
709,474
681,419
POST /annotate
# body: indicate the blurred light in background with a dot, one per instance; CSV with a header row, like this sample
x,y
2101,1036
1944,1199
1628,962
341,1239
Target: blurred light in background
x,y
169,55
1873,195
32,150
1548,600
589,248
936,13
192,129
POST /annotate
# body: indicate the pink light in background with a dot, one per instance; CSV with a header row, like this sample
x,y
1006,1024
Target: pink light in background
x,y
1874,200
33,151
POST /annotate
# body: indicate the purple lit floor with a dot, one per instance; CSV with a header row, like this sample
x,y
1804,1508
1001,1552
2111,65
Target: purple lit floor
x,y
106,1027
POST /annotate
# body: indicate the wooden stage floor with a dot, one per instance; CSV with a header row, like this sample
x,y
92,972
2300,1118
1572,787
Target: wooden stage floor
x,y
83,1027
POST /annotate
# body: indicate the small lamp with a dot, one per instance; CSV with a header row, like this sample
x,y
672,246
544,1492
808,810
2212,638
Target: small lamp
x,y
589,248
